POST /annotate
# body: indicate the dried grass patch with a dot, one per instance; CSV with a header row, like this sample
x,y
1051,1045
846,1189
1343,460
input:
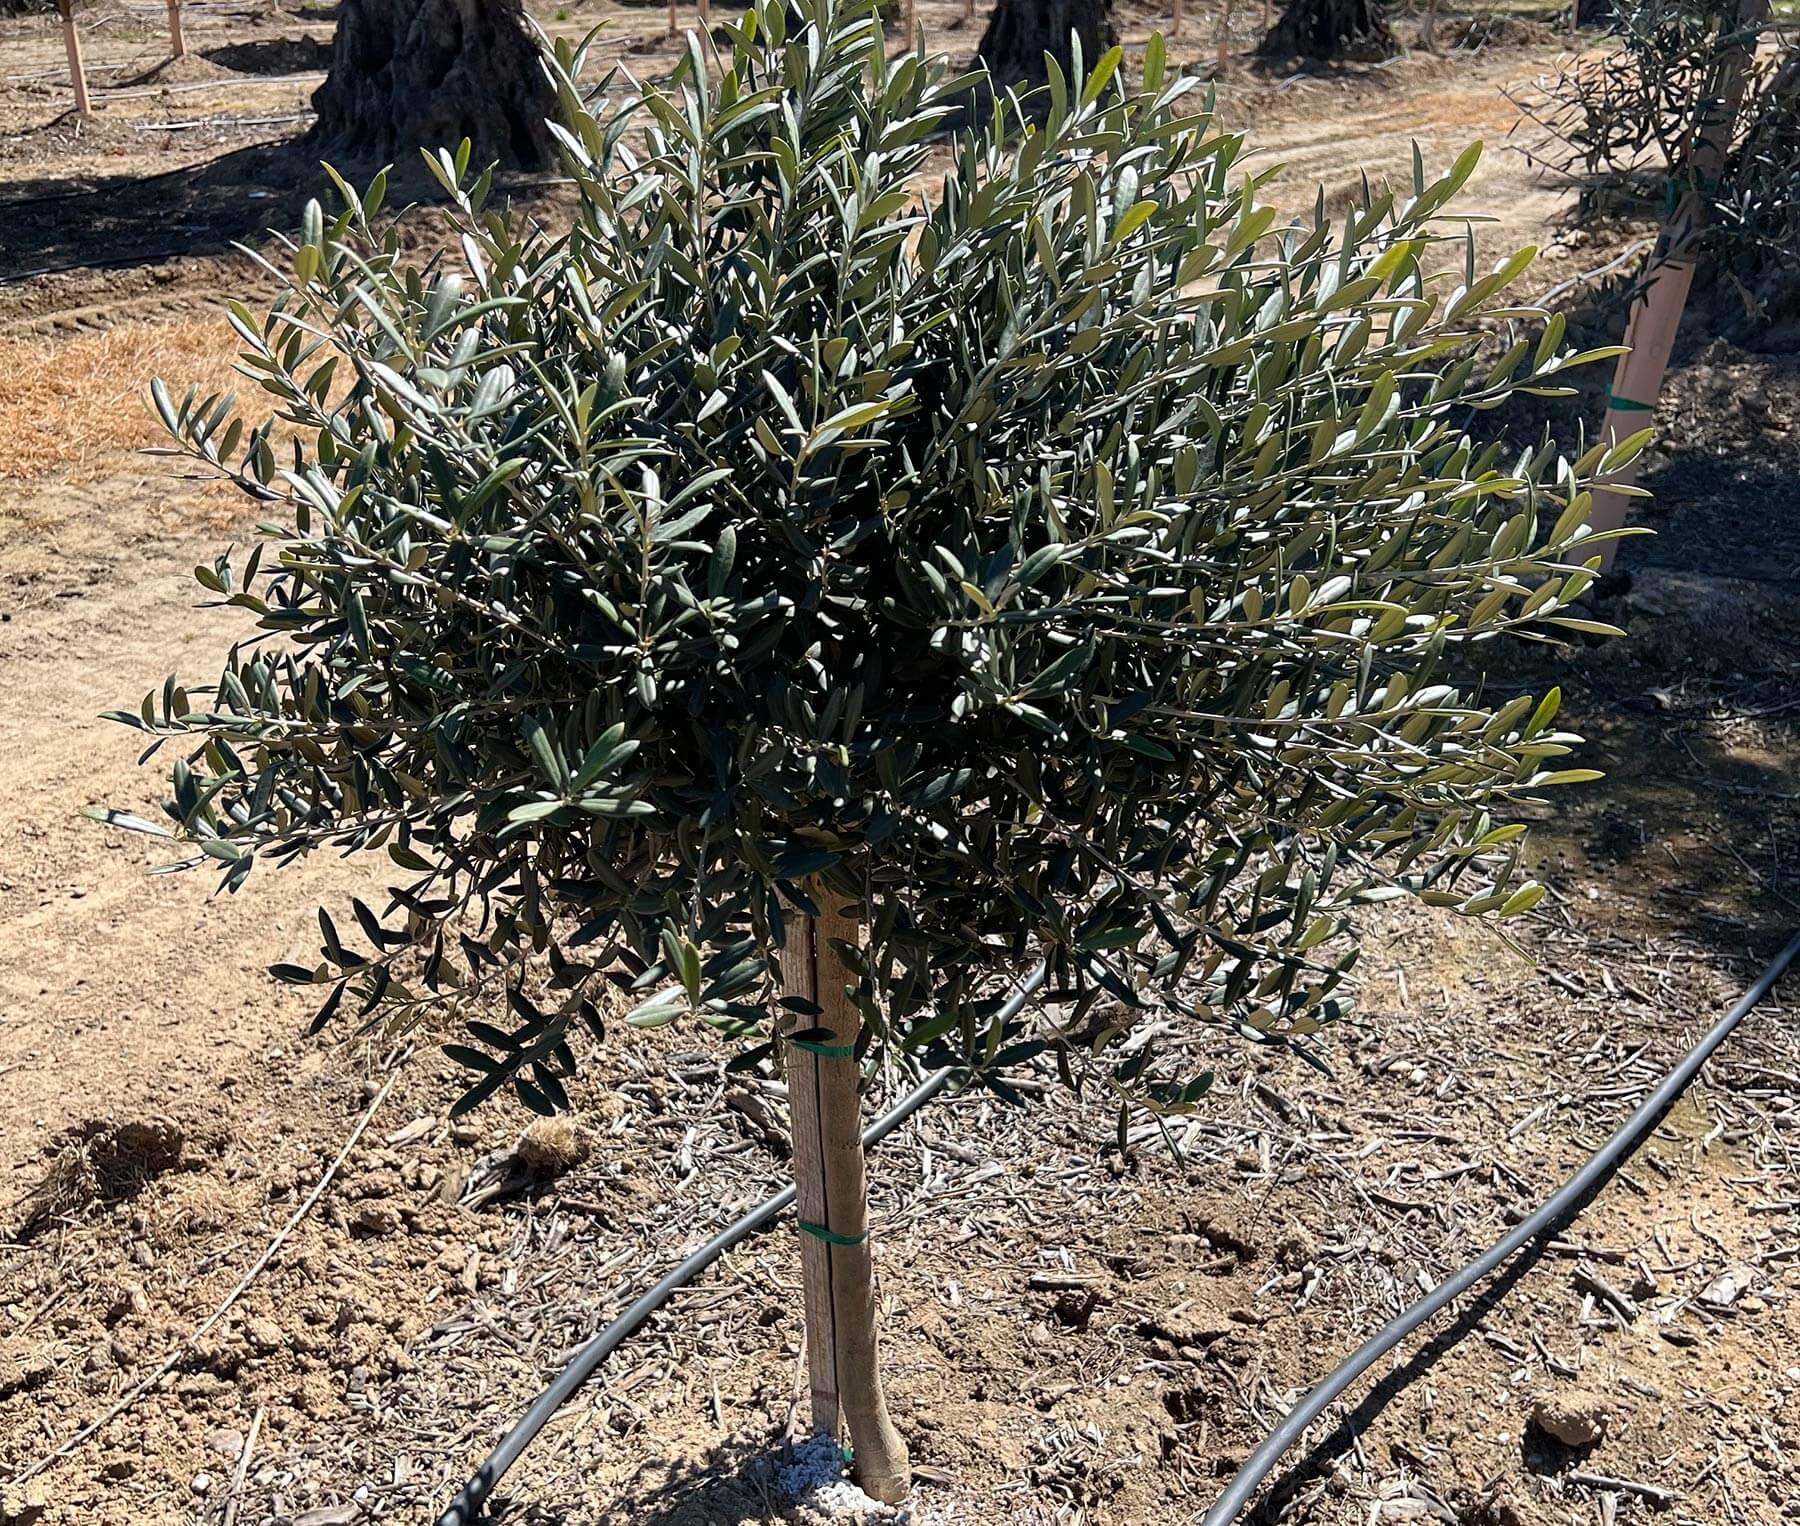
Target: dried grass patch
x,y
102,1163
67,405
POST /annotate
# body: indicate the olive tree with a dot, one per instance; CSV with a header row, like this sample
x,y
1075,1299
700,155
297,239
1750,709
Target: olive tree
x,y
1697,103
805,597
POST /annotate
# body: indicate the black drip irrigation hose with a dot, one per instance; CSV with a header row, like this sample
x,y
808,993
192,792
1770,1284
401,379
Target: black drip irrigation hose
x,y
1568,1199
466,1507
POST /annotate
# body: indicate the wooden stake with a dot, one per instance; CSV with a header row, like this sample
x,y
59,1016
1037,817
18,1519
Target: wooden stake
x,y
1224,34
1655,315
912,19
674,19
831,1179
177,43
72,45
1175,21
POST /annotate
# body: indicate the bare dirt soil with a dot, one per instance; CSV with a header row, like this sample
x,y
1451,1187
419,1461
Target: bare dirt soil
x,y
1076,1334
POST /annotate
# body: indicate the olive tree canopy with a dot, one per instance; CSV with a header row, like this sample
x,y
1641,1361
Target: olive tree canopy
x,y
1067,557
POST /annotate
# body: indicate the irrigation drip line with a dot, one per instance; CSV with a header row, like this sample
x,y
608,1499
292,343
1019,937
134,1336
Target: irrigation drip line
x,y
1567,1202
225,121
1564,1204
466,1507
114,262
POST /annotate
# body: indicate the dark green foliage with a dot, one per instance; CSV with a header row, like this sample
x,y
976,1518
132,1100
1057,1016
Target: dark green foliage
x,y
1067,563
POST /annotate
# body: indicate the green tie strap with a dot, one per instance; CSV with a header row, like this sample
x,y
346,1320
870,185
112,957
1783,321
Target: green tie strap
x,y
829,1051
831,1236
1699,184
1627,404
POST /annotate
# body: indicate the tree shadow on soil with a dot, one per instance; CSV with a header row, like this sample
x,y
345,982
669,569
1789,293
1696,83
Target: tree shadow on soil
x,y
1693,717
271,56
48,226
136,220
1539,1453
1691,714
732,1480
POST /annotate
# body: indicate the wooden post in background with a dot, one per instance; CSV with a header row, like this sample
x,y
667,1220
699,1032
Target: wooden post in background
x,y
1175,21
832,1200
72,46
1655,315
177,43
1224,34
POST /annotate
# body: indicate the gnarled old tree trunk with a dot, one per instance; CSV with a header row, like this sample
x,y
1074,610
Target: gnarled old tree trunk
x,y
412,74
1327,29
1020,32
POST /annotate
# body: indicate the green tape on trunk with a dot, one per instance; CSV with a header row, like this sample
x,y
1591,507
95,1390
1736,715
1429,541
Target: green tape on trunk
x,y
829,1051
831,1236
1627,404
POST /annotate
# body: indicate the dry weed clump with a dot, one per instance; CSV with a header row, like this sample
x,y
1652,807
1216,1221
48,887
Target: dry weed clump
x,y
102,1163
551,1146
71,402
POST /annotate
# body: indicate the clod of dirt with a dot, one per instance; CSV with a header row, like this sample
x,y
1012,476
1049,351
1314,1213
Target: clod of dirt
x,y
130,1299
266,1336
226,1443
1296,1249
1074,1307
1224,1236
23,1370
375,1219
1575,1417
551,1146
24,1506
1499,1509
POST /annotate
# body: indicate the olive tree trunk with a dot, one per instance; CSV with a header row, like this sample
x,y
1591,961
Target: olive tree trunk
x,y
1327,29
412,74
832,1201
1020,32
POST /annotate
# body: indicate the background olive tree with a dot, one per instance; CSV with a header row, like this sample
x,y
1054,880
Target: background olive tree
x,y
1694,104
406,73
790,577
1331,29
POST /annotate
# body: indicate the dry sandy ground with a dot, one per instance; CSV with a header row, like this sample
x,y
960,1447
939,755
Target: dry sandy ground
x,y
1076,1335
